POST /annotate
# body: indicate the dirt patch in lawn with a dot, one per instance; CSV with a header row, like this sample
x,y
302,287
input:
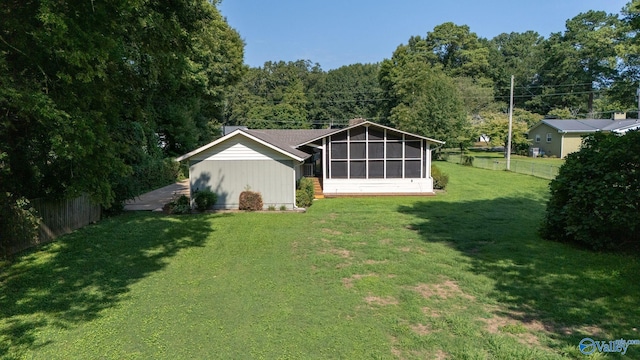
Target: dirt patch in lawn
x,y
348,282
430,312
421,329
331,231
343,253
381,301
524,326
444,290
375,262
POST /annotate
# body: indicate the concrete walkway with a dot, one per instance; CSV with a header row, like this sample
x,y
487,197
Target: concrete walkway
x,y
155,200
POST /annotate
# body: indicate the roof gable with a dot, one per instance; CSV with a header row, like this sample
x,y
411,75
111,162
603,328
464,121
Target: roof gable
x,y
294,154
372,124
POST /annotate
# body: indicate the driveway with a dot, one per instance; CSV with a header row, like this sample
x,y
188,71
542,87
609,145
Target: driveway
x,y
155,200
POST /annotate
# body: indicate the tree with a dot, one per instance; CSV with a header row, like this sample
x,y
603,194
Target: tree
x,y
579,63
622,91
458,50
276,95
94,93
349,92
517,54
595,199
496,126
421,98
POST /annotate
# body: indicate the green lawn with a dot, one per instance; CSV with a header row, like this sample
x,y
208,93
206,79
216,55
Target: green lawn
x,y
546,168
461,275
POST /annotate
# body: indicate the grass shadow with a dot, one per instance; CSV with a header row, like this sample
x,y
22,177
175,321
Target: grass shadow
x,y
74,279
575,293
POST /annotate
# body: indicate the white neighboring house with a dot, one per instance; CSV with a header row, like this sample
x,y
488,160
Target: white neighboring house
x,y
362,159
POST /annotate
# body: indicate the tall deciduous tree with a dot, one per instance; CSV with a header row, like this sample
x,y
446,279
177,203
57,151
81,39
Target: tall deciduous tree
x,y
520,55
458,50
421,98
579,62
93,92
349,92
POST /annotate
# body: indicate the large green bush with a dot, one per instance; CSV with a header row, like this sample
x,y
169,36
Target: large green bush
x,y
595,199
18,223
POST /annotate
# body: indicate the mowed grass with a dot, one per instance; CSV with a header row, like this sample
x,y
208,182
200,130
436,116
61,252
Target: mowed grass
x,y
462,275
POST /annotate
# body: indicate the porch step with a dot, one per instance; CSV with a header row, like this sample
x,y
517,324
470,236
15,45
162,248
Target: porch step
x,y
317,188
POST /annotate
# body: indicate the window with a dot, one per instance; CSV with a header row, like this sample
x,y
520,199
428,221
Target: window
x,y
358,169
376,169
376,150
548,137
412,149
339,151
394,169
339,169
358,150
537,138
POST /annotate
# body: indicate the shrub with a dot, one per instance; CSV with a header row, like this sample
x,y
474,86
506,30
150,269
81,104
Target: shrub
x,y
305,193
250,200
271,208
302,199
467,160
180,205
18,223
595,199
440,179
283,207
204,199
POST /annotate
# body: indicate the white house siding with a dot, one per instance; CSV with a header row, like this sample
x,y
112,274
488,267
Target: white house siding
x,y
239,148
377,186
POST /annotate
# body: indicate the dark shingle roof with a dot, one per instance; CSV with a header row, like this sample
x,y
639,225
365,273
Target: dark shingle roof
x,y
287,140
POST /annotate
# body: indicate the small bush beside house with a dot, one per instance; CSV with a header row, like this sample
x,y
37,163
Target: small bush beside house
x,y
204,199
179,205
250,201
595,199
440,179
305,193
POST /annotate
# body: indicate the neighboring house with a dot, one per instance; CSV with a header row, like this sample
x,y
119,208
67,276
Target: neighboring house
x,y
562,137
363,159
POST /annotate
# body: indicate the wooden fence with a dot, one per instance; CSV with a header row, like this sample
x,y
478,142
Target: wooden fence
x,y
60,217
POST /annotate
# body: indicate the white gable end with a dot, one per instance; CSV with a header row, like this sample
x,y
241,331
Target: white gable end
x,y
240,148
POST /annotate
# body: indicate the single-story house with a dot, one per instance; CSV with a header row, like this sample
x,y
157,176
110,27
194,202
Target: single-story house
x,y
562,137
362,159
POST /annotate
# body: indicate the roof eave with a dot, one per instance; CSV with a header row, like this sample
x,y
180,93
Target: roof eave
x,y
235,133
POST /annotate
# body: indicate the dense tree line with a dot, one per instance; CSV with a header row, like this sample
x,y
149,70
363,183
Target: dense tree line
x,y
95,95
453,85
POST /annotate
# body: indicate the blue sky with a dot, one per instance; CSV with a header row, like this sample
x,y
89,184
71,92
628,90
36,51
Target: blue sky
x,y
334,33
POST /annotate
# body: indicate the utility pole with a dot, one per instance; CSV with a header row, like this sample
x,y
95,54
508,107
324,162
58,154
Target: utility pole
x,y
508,149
